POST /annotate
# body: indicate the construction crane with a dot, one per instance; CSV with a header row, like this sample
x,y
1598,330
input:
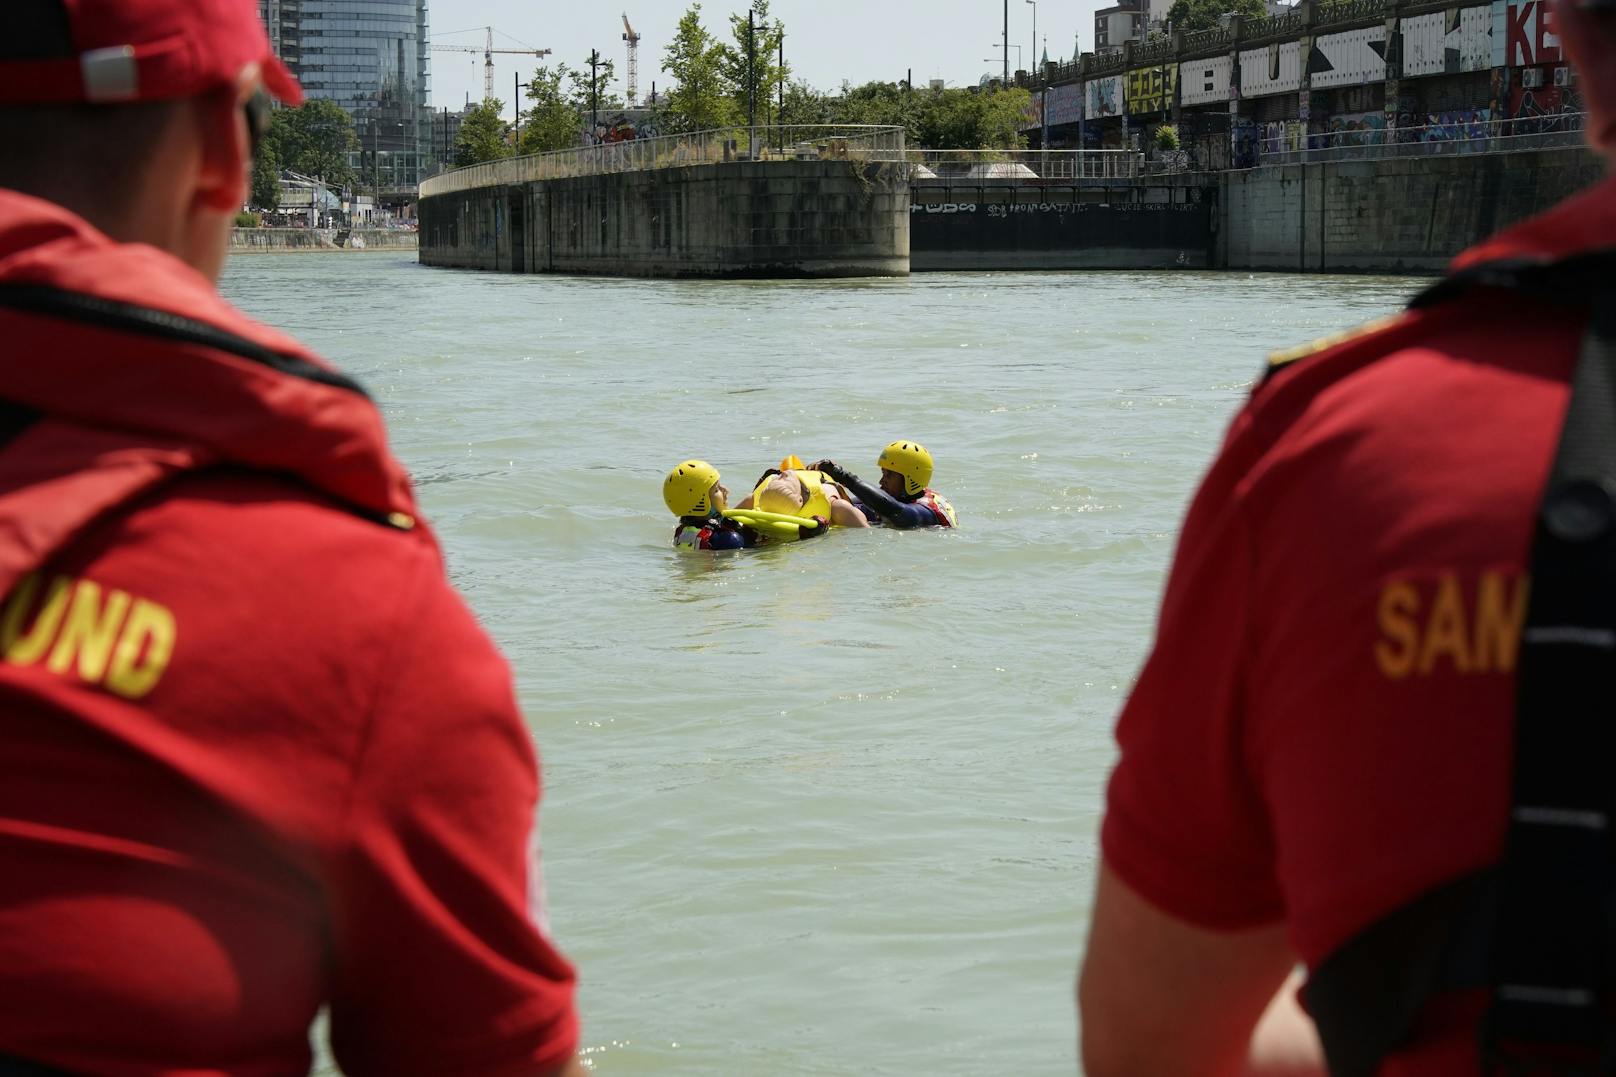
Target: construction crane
x,y
488,51
633,40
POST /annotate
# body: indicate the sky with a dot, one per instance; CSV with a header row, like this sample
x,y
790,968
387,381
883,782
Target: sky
x,y
827,41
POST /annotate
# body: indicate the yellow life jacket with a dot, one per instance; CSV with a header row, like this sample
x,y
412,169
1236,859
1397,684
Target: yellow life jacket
x,y
818,504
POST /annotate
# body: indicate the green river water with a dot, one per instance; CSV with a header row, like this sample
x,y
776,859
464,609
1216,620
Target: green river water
x,y
830,808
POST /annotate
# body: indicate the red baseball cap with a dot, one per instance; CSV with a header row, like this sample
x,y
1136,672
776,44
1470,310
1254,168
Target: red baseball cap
x,y
109,51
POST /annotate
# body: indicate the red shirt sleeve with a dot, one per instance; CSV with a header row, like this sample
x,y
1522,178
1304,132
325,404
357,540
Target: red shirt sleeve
x,y
442,963
1185,826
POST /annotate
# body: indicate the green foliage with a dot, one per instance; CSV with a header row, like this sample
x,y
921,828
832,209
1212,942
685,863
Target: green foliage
x,y
998,117
604,99
947,119
806,106
764,75
244,219
266,179
553,123
314,140
694,58
1167,137
1193,15
482,135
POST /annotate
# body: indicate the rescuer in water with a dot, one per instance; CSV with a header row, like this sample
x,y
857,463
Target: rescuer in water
x,y
905,498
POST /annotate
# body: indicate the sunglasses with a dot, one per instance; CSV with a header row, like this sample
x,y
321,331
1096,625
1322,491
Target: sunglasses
x,y
257,111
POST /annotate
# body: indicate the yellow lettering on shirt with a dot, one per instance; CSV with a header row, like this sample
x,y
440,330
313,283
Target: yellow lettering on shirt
x,y
1450,625
26,648
143,650
1445,631
1395,650
89,631
104,637
1500,620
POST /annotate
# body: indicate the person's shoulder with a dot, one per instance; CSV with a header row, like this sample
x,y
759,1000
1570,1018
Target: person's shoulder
x,y
1432,349
267,550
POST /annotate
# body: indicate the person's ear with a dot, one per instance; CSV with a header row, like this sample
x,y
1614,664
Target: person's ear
x,y
226,145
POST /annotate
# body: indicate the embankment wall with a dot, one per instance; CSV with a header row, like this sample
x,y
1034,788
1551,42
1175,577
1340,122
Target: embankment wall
x,y
1389,216
310,239
837,218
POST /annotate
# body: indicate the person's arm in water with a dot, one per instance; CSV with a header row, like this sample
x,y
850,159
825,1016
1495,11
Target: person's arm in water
x,y
893,513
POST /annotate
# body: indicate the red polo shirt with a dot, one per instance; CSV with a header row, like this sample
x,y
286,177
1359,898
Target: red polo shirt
x,y
1323,729
256,756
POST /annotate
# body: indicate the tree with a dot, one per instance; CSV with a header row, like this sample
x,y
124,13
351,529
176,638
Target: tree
x,y
266,179
806,106
1193,15
553,122
482,135
938,119
999,116
694,58
589,98
763,76
314,140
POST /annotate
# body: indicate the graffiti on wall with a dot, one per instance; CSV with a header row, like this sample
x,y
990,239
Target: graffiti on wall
x,y
1271,70
1523,34
1282,136
1103,97
1448,42
1150,89
1546,108
1457,125
1063,104
1032,113
1201,82
1348,59
1353,129
1244,148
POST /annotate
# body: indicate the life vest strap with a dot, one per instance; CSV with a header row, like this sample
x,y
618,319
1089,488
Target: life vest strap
x,y
1537,931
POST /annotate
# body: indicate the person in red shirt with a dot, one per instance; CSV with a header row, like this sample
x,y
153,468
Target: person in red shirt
x,y
1323,731
257,758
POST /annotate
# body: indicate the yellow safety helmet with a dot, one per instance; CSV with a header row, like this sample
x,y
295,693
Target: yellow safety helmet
x,y
687,488
911,461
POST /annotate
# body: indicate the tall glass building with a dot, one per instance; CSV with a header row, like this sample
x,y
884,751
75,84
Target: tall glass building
x,y
372,57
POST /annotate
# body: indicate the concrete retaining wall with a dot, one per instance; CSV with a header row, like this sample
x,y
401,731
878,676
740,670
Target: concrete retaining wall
x,y
1054,227
775,219
1404,215
310,239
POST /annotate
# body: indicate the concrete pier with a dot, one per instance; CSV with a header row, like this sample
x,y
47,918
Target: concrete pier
x,y
814,209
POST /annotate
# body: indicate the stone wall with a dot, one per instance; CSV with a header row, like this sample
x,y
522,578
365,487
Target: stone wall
x,y
743,219
1402,215
312,239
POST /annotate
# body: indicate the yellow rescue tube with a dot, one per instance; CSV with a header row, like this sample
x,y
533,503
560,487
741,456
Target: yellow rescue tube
x,y
777,524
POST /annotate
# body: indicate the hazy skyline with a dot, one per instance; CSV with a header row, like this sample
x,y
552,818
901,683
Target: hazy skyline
x,y
827,41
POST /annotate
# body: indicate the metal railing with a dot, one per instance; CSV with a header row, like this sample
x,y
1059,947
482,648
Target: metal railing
x,y
1431,140
857,143
953,166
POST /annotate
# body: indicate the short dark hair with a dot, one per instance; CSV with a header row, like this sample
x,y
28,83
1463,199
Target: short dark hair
x,y
71,153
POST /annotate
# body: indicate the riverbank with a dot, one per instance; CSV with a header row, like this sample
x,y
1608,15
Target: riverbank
x,y
290,240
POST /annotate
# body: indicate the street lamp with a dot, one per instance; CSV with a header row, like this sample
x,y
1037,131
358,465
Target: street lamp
x,y
989,60
1034,4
